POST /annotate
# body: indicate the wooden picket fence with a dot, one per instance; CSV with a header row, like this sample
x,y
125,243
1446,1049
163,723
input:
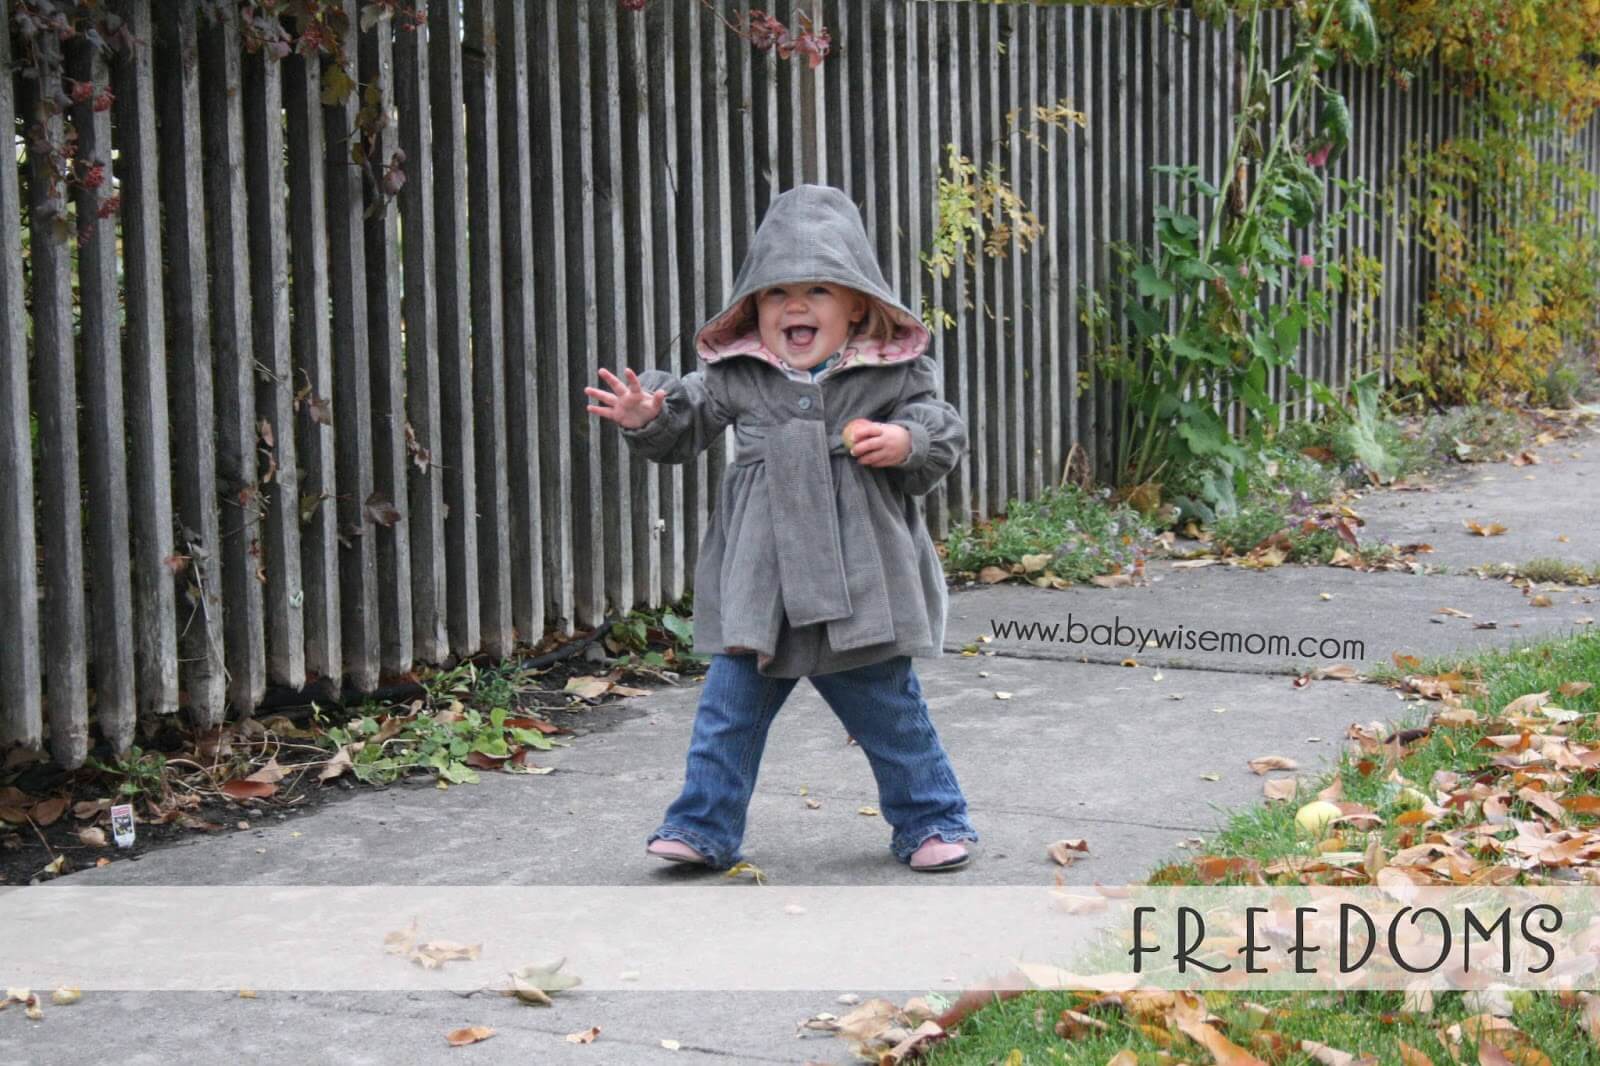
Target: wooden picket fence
x,y
274,440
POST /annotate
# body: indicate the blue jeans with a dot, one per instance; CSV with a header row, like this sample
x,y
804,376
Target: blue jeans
x,y
882,708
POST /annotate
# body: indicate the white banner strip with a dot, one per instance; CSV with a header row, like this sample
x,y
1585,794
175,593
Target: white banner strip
x,y
747,937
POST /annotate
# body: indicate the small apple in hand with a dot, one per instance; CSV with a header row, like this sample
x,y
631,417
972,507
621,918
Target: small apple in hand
x,y
853,427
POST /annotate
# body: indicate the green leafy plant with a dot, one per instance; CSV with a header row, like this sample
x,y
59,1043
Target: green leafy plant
x,y
1083,533
633,635
140,774
1205,319
439,742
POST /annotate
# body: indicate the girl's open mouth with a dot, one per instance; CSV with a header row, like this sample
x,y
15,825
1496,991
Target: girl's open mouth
x,y
800,336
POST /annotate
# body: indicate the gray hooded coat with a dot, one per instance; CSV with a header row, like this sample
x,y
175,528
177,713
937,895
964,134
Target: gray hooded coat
x,y
811,560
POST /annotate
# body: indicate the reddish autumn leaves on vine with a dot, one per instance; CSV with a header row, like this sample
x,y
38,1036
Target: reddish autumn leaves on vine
x,y
41,29
766,33
322,28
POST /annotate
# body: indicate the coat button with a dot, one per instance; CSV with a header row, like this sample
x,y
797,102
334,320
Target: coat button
x,y
805,403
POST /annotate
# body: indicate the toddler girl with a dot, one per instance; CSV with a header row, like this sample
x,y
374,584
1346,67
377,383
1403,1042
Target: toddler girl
x,y
817,563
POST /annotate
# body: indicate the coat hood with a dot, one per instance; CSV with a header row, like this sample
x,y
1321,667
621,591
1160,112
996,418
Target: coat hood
x,y
812,233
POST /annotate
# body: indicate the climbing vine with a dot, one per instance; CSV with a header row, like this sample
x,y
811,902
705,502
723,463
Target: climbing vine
x,y
973,211
767,33
41,31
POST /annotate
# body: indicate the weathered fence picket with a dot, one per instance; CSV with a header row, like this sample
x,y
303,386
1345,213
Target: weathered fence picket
x,y
385,335
311,350
233,356
56,407
268,234
19,622
329,403
105,461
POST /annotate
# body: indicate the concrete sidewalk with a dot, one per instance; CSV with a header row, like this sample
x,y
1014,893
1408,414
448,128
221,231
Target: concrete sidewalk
x,y
1117,755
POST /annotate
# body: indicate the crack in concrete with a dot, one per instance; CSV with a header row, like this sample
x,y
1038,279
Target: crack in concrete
x,y
1266,670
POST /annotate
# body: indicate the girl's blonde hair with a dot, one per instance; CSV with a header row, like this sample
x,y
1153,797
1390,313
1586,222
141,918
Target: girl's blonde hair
x,y
876,325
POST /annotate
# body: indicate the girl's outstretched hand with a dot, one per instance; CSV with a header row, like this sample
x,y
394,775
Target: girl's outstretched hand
x,y
629,406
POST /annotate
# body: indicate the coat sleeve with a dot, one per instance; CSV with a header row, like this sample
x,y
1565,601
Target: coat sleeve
x,y
938,434
689,420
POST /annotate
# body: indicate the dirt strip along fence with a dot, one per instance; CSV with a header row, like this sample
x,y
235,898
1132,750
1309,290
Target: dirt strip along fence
x,y
255,434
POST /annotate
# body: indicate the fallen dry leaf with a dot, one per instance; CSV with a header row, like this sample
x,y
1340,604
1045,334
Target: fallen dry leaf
x,y
588,688
1493,529
471,1035
1526,704
990,575
533,983
46,812
1074,1025
741,869
1189,1015
1490,1055
1540,600
240,789
92,836
1032,564
1112,581
1328,1056
1591,1017
585,1037
1279,789
1575,688
1067,852
338,764
271,773
63,997
1453,613
1266,763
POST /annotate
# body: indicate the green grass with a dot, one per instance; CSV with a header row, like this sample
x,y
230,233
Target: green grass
x,y
1084,534
1559,572
1238,534
1359,1022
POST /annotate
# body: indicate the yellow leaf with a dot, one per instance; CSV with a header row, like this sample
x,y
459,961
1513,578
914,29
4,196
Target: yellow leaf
x,y
755,872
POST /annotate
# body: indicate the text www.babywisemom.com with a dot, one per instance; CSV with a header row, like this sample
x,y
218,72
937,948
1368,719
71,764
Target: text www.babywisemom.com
x,y
1119,634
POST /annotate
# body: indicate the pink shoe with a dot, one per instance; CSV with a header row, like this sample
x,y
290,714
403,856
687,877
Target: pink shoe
x,y
675,851
936,855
